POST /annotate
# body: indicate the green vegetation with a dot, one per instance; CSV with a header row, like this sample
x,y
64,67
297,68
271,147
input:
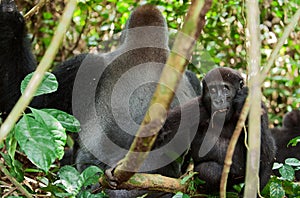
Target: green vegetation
x,y
95,24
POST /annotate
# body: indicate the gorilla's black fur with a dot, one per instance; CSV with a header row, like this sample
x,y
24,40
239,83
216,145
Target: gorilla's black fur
x,y
289,130
220,106
16,61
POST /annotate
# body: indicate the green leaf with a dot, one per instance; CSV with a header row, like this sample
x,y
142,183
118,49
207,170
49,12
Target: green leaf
x,y
47,15
186,178
72,181
36,141
239,187
55,127
69,122
277,165
294,141
90,175
276,190
69,178
292,162
48,85
11,144
15,167
287,172
42,139
181,195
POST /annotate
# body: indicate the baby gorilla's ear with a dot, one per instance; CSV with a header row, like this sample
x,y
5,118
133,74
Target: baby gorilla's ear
x,y
292,119
240,98
241,84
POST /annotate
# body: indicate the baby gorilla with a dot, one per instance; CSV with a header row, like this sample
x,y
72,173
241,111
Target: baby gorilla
x,y
289,130
220,106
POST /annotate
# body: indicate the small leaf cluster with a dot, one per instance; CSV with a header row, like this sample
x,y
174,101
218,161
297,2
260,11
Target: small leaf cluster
x,y
71,183
284,186
41,135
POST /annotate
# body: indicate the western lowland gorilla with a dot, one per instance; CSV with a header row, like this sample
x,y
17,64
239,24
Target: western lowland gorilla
x,y
110,92
289,130
220,106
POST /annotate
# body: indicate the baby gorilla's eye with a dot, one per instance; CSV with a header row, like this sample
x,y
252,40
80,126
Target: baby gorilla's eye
x,y
226,89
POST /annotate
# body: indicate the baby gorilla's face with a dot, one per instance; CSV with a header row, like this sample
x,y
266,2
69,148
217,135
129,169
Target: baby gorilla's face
x,y
219,95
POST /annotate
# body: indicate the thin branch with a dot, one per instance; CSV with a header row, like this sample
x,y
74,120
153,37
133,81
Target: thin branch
x,y
164,92
37,78
228,159
287,31
14,181
70,51
35,9
254,61
231,147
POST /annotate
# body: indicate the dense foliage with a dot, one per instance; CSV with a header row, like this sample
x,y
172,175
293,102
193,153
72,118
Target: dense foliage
x,y
223,42
97,22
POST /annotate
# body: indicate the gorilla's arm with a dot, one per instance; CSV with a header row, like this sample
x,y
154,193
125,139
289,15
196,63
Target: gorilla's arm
x,y
16,58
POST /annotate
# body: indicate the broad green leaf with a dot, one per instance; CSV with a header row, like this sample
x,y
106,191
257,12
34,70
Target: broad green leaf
x,y
90,175
69,122
42,139
287,172
36,141
69,178
48,85
72,181
56,129
292,162
276,190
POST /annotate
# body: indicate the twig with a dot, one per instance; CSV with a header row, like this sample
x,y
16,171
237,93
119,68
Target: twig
x,y
231,147
35,9
14,181
287,30
37,78
80,33
236,134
